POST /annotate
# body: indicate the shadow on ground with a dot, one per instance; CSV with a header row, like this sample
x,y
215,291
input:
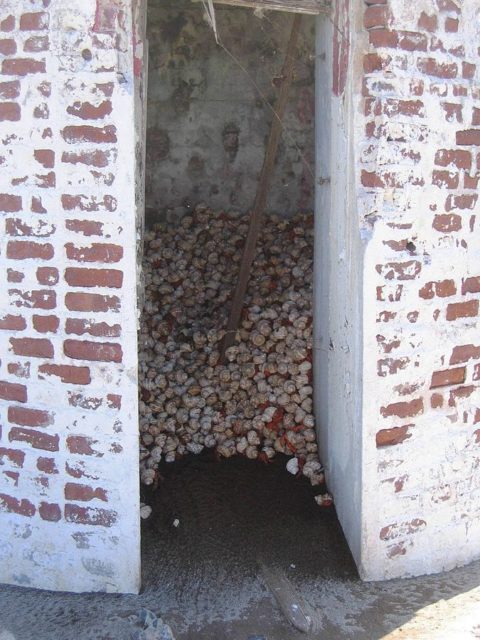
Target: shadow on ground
x,y
210,577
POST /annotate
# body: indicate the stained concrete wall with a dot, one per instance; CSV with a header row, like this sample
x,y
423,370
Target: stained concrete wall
x,y
208,125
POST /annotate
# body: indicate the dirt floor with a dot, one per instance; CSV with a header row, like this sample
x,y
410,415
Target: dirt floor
x,y
251,554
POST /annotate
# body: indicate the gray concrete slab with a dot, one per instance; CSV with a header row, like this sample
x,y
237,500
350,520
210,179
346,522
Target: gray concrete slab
x,y
245,528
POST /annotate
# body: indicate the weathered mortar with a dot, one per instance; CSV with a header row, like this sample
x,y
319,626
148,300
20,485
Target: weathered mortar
x,y
207,124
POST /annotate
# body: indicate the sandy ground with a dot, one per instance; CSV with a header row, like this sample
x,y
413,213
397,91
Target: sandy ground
x,y
250,545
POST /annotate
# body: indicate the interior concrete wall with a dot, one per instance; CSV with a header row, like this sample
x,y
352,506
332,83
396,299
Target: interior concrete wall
x,y
207,123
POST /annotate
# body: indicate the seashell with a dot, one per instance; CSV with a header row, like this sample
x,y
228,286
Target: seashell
x,y
143,454
252,437
156,454
210,441
268,414
251,452
171,408
293,369
148,476
160,440
264,328
309,421
283,399
307,405
324,500
224,375
312,467
249,370
145,511
273,380
182,416
171,444
224,451
299,415
269,452
289,387
181,377
305,366
194,390
194,447
262,386
161,381
245,384
288,420
264,389
211,399
260,398
282,368
242,445
257,338
280,333
293,466
249,412
317,479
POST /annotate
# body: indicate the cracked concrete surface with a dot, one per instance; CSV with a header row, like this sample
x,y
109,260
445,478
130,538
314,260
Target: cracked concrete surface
x,y
205,577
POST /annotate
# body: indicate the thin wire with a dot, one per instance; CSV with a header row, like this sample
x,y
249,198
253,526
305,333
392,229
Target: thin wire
x,y
261,94
272,109
211,16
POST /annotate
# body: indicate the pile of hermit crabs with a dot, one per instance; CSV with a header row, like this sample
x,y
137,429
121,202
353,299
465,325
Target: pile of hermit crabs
x,y
258,402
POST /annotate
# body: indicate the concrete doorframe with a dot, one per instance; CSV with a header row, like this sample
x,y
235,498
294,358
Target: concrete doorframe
x,y
337,293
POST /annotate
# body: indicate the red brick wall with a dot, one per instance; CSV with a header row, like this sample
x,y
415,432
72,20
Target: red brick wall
x,y
419,171
68,414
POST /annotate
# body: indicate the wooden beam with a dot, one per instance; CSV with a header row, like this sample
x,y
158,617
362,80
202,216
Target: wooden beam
x,y
256,217
312,7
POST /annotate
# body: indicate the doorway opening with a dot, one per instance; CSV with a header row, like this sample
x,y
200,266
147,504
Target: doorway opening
x,y
229,454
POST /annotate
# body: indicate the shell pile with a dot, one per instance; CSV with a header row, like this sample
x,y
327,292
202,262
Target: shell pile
x,y
259,402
